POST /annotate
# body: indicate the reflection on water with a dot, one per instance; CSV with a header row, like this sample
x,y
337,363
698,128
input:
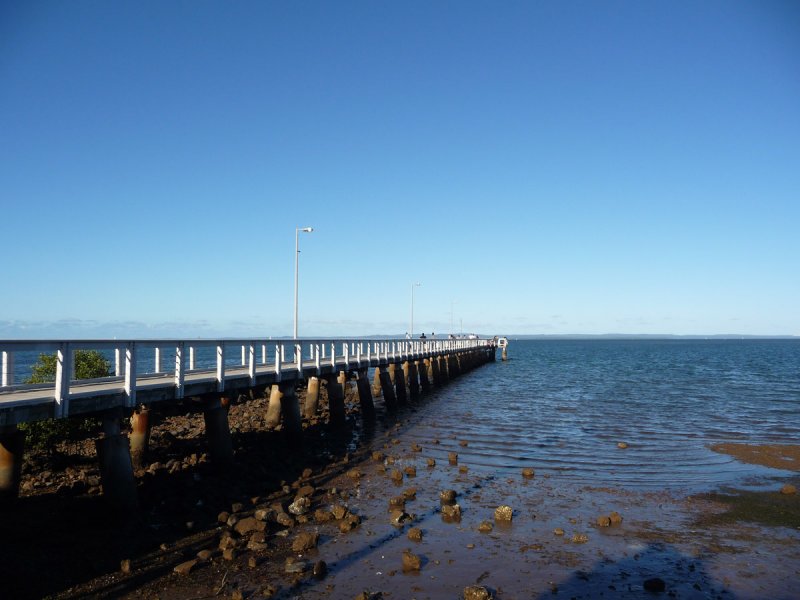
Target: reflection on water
x,y
563,406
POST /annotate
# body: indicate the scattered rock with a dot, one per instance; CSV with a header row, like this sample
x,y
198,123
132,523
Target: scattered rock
x,y
265,514
349,523
410,471
396,475
252,562
226,541
249,524
788,489
300,506
205,555
339,511
378,456
185,567
237,507
431,462
305,491
411,562
223,517
604,521
655,584
307,473
558,531
229,554
125,566
367,595
415,534
410,494
323,516
283,519
580,538
463,469
503,513
622,445
295,565
257,546
398,517
447,496
237,595
416,448
397,502
485,527
305,541
451,512
527,473
452,458
615,517
354,474
477,592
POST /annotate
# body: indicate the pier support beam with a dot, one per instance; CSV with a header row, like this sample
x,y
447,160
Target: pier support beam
x,y
377,388
424,368
12,447
411,376
389,398
399,383
218,431
433,371
116,469
365,395
312,398
444,371
140,436
336,398
290,411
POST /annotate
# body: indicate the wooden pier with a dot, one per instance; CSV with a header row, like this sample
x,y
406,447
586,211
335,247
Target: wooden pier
x,y
213,371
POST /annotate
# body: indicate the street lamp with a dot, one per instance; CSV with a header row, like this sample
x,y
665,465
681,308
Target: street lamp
x,y
297,231
413,285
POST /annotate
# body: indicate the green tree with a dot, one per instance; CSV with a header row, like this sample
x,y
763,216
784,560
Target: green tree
x,y
88,365
44,435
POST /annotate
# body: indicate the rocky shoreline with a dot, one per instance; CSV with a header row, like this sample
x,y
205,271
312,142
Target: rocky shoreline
x,y
375,512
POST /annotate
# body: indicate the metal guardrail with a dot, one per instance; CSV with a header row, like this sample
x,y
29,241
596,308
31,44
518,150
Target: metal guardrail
x,y
222,360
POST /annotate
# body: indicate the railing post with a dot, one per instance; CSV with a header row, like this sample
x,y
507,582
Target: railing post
x,y
192,358
221,367
130,373
277,362
316,358
157,359
333,355
298,357
8,369
119,360
179,372
63,367
252,363
263,354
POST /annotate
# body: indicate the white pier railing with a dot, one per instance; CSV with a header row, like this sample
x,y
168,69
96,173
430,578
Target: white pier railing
x,y
211,365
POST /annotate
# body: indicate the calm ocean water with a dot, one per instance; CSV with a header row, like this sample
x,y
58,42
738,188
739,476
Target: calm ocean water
x,y
562,406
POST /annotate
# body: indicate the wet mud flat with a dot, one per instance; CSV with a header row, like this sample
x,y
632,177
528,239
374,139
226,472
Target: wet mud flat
x,y
396,511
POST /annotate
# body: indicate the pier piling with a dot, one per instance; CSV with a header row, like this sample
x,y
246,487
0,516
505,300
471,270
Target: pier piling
x,y
218,431
116,468
12,447
312,398
140,436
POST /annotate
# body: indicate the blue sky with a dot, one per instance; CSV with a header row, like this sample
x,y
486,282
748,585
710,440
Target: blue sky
x,y
540,167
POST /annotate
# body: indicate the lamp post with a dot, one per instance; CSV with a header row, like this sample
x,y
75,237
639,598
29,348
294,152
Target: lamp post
x,y
297,231
413,285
